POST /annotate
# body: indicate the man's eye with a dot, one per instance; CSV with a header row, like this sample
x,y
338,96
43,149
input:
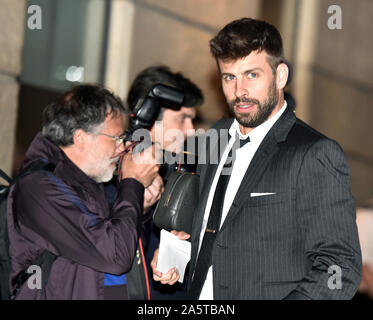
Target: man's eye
x,y
252,75
228,77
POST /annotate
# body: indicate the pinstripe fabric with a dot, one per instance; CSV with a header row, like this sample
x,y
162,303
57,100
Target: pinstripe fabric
x,y
281,245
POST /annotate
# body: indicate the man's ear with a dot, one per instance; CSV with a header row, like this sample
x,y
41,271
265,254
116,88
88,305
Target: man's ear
x,y
80,138
282,75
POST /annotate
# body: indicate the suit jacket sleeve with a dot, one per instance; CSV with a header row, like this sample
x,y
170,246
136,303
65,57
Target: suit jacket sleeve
x,y
326,214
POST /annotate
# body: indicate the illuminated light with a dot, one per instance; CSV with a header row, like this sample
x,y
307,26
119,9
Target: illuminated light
x,y
75,74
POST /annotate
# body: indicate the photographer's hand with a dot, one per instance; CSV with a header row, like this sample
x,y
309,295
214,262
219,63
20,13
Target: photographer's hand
x,y
143,166
172,276
153,193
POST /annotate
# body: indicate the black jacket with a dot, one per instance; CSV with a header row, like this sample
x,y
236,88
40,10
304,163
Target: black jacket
x,y
66,213
282,245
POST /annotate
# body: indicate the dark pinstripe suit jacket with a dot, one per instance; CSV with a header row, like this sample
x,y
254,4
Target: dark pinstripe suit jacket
x,y
282,245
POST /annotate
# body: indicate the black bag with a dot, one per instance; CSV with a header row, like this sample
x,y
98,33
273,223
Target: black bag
x,y
4,239
45,261
137,278
175,209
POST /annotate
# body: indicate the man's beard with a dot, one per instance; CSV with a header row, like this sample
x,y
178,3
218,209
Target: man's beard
x,y
249,120
104,173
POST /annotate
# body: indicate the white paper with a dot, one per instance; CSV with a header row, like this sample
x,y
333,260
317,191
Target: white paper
x,y
173,252
365,226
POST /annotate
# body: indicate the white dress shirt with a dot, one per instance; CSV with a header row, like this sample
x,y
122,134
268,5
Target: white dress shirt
x,y
243,158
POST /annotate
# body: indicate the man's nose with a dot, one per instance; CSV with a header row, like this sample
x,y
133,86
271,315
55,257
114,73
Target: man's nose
x,y
241,88
189,127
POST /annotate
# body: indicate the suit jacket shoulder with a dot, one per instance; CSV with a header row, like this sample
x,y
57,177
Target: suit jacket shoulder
x,y
304,135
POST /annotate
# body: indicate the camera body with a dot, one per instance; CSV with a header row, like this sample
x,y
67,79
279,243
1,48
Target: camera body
x,y
147,108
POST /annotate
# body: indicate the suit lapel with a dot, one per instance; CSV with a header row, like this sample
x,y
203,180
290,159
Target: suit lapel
x,y
256,169
263,156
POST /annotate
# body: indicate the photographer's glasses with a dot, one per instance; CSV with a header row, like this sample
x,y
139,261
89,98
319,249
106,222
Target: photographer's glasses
x,y
118,139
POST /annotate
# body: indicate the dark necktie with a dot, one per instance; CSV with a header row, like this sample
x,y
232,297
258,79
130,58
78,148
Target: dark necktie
x,y
213,224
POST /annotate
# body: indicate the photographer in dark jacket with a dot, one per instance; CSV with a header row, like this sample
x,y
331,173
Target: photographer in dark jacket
x,y
66,211
171,124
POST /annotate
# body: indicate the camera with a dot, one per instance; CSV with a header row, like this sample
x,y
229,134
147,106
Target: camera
x,y
144,115
147,108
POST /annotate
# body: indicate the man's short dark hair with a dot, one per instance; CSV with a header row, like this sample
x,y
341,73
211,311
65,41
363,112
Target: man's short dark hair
x,y
82,107
243,36
151,76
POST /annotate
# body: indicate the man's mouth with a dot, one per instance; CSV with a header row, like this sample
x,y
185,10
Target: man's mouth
x,y
245,107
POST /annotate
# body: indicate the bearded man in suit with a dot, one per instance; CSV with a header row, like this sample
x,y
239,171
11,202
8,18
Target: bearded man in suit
x,y
276,219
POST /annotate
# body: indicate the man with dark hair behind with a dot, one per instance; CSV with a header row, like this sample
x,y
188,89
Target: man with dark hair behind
x,y
172,122
64,211
171,119
276,219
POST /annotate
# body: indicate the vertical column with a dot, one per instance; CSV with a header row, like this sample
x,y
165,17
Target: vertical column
x,y
12,17
119,46
305,42
333,82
